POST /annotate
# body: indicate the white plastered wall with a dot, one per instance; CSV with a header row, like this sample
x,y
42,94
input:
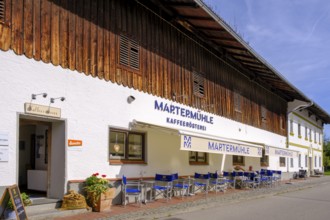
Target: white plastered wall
x,y
91,107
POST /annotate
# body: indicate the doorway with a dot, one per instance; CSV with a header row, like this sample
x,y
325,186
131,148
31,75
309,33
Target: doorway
x,y
41,144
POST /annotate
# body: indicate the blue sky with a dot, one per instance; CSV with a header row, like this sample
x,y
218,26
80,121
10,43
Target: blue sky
x,y
292,35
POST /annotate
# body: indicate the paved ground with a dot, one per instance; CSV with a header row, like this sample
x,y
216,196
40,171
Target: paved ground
x,y
161,209
311,203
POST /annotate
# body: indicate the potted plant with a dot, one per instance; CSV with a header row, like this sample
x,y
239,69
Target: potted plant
x,y
99,192
9,212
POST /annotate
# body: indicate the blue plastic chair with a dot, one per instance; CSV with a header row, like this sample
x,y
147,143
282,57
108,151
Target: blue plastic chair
x,y
163,186
131,189
230,181
217,183
180,185
201,183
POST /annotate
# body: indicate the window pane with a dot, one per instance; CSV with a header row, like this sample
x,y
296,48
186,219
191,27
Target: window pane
x,y
135,148
238,160
117,144
282,161
192,156
201,157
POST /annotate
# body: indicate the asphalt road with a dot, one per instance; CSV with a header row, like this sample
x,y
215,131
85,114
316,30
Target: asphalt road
x,y
308,204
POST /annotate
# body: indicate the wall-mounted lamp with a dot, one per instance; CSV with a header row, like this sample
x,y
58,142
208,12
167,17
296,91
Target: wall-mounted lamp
x,y
206,106
175,96
130,99
34,96
52,100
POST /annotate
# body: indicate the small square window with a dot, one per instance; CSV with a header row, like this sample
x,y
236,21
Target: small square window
x,y
238,160
196,158
264,160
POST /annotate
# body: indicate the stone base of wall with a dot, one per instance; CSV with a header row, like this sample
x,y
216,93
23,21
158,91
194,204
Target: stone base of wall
x,y
79,187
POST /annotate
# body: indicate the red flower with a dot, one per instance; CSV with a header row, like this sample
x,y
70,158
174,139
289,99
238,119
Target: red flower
x,y
104,176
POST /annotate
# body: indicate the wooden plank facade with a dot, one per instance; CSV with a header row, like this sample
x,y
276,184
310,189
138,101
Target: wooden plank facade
x,y
88,36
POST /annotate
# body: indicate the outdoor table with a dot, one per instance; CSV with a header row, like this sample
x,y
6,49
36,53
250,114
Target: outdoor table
x,y
148,186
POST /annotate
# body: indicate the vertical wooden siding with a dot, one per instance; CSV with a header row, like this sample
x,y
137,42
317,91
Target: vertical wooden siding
x,y
83,35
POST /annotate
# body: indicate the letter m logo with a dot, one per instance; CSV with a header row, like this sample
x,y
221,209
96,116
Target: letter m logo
x,y
187,142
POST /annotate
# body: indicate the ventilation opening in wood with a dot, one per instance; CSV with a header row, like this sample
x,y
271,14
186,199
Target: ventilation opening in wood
x,y
2,10
198,85
129,53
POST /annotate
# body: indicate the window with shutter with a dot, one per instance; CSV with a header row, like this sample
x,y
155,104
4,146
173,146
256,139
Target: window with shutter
x,y
198,84
129,53
2,10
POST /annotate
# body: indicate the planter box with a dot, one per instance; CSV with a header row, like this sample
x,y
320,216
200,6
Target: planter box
x,y
105,201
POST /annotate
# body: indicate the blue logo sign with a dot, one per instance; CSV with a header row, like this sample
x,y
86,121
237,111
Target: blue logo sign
x,y
187,142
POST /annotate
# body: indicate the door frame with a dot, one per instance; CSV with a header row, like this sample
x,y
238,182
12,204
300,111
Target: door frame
x,y
39,120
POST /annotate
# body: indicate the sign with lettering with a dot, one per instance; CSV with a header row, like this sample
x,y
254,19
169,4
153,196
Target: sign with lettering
x,y
272,151
42,110
74,143
184,116
192,143
14,194
4,154
4,139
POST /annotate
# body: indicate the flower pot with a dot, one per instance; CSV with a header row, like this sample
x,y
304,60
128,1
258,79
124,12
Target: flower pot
x,y
105,200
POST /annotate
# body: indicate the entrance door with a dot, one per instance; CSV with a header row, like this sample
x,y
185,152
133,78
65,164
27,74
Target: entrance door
x,y
38,155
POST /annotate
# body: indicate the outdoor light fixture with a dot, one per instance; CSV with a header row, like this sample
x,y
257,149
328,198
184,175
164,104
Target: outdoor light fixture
x,y
34,96
52,100
130,99
174,96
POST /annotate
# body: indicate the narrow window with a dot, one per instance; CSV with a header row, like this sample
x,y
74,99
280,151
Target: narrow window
x,y
310,134
282,161
299,130
306,132
238,160
319,138
306,161
2,10
264,161
263,114
291,163
299,161
238,102
291,127
198,158
126,146
315,161
320,162
198,84
282,120
129,53
314,136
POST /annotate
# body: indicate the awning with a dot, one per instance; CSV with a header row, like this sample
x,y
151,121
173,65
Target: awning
x,y
280,152
218,145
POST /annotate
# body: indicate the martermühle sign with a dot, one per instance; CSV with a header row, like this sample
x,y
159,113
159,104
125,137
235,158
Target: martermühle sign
x,y
192,143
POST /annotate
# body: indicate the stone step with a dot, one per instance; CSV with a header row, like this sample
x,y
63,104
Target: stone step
x,y
44,208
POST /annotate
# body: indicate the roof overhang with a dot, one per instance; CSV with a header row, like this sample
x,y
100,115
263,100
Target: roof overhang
x,y
196,17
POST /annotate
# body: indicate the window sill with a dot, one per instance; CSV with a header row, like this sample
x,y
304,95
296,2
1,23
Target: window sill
x,y
121,162
198,163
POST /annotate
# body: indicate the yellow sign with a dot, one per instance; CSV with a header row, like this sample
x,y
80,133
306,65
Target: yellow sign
x,y
42,110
